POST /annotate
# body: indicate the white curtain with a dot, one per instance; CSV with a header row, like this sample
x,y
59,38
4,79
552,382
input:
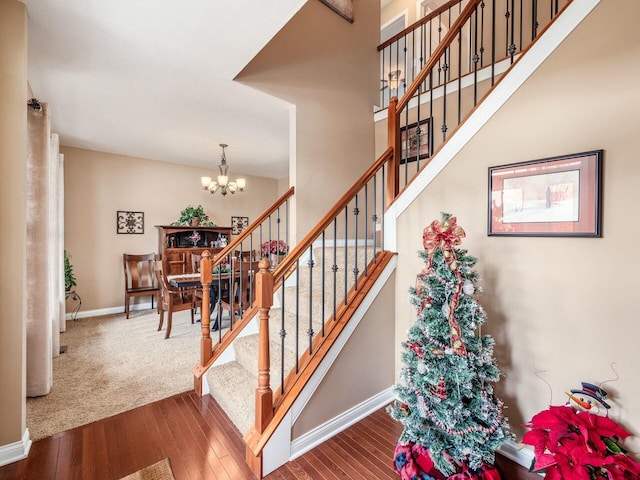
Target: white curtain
x,y
43,261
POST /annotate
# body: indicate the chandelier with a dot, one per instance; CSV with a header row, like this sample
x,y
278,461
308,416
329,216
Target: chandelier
x,y
223,182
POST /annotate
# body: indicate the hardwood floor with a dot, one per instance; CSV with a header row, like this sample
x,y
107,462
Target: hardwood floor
x,y
202,443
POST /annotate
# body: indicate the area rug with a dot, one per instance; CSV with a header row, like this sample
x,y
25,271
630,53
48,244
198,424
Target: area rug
x,y
113,364
157,471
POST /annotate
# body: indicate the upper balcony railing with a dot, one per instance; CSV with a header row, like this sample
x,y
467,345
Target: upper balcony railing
x,y
503,28
479,46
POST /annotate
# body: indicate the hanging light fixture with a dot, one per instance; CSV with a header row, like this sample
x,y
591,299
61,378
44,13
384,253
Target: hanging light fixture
x,y
223,182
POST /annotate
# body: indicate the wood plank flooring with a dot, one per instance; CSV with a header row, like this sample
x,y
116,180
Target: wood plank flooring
x,y
202,443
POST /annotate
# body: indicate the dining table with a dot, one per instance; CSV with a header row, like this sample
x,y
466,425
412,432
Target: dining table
x,y
219,282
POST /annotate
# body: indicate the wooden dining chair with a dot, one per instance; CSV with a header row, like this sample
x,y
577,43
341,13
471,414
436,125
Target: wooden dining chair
x,y
245,255
195,262
139,279
237,297
173,299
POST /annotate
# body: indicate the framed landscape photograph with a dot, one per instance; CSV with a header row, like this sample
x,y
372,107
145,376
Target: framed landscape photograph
x,y
559,196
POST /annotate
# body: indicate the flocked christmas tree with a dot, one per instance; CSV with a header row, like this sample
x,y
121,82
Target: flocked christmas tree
x,y
445,398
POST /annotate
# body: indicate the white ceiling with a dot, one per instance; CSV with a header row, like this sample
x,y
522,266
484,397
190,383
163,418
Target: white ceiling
x,y
153,79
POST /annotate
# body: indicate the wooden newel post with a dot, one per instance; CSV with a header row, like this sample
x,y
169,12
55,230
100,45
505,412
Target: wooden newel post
x,y
393,176
205,280
264,301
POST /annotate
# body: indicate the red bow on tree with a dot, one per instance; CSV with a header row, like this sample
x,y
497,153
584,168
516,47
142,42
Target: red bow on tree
x,y
447,236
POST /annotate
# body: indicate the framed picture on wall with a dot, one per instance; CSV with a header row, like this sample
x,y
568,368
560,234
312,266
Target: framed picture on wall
x,y
238,224
559,196
415,141
129,222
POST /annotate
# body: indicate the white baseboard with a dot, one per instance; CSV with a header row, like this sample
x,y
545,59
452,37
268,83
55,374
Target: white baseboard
x,y
13,452
337,424
111,310
518,453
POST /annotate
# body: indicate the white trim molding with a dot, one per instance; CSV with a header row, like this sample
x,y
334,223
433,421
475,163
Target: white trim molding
x,y
518,453
337,424
15,451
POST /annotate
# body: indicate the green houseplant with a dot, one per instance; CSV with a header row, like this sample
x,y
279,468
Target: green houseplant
x,y
69,277
193,216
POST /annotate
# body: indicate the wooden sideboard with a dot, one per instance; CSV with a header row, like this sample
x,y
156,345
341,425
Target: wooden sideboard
x,y
176,247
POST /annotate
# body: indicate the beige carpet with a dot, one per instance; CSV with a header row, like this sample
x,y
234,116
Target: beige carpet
x,y
157,471
112,365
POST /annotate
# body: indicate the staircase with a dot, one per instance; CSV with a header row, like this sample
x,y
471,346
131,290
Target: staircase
x,y
311,307
322,280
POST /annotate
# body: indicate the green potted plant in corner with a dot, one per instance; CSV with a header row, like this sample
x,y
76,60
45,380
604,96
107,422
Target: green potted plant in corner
x,y
69,277
193,216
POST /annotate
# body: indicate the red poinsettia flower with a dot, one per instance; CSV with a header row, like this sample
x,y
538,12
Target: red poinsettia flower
x,y
573,445
596,427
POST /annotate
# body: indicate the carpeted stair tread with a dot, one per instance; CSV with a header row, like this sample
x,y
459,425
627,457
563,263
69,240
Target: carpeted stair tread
x,y
234,388
245,349
233,384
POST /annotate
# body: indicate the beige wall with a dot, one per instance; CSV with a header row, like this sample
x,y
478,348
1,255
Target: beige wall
x,y
362,369
565,306
327,68
13,155
98,184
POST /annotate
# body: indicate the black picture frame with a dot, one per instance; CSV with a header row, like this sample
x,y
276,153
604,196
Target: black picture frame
x,y
415,141
129,222
551,197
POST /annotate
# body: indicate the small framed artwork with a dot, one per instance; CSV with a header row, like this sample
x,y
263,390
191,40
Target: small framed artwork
x,y
344,8
129,222
238,224
559,196
415,141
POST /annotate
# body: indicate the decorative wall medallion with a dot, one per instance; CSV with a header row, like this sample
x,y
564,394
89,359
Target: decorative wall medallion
x,y
238,224
130,222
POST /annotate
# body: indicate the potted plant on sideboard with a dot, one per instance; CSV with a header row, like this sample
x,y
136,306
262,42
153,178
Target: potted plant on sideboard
x,y
193,216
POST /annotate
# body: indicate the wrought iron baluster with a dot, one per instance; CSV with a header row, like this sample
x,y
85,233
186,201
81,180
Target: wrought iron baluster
x,y
344,248
493,43
512,45
283,335
482,5
444,100
459,75
521,25
534,19
374,216
297,349
310,329
384,197
323,289
476,57
335,268
366,225
356,212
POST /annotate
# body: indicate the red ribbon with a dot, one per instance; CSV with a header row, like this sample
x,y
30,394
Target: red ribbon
x,y
447,236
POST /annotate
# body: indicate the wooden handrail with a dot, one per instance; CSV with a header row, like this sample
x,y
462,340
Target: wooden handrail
x,y
256,438
426,19
289,261
437,53
252,226
207,355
